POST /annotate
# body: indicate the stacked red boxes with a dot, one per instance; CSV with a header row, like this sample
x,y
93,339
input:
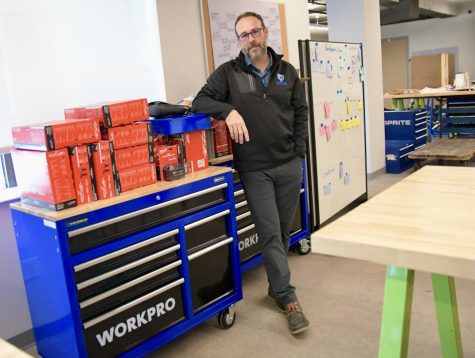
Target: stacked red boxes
x,y
45,178
192,151
44,166
133,146
56,135
83,174
105,174
112,114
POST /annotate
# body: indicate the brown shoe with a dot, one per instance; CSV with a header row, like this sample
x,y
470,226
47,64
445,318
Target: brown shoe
x,y
296,319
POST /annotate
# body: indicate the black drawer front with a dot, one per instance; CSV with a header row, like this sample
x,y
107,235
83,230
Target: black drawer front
x,y
236,177
243,220
125,327
81,240
211,274
119,276
199,234
241,208
118,296
239,196
124,256
297,224
248,243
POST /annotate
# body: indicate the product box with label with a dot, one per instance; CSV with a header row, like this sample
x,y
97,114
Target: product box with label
x,y
45,178
165,154
105,173
136,177
83,174
128,135
133,156
193,149
56,134
221,141
113,113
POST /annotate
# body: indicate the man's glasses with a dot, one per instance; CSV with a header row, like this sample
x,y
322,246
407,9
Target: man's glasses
x,y
254,33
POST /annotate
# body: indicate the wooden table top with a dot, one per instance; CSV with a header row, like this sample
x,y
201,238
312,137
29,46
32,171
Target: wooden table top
x,y
431,95
446,149
424,222
128,195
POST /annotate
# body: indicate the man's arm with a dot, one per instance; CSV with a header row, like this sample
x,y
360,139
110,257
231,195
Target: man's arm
x,y
299,104
211,100
212,97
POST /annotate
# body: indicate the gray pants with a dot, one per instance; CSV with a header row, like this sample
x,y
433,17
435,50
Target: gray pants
x,y
273,196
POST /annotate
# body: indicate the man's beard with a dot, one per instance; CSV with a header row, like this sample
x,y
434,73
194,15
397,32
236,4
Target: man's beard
x,y
258,52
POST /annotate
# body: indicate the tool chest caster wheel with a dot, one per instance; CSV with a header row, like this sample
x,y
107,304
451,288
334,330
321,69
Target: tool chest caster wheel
x,y
302,247
227,317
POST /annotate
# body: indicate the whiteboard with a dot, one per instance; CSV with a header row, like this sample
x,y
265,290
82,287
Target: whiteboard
x,y
336,76
222,15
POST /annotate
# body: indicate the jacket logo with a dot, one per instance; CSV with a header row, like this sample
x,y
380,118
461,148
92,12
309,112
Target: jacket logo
x,y
281,80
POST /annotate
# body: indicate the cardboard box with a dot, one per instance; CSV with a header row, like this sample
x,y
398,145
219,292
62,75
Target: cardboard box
x,y
56,134
105,173
83,174
165,154
221,141
134,156
129,135
45,178
194,155
112,113
136,177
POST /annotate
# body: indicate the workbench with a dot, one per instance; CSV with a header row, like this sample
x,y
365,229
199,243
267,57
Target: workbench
x,y
455,149
424,222
123,276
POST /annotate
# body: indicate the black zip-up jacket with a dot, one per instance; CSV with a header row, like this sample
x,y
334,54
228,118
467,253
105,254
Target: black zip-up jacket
x,y
276,116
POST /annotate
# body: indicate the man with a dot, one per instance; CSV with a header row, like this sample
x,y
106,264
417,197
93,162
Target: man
x,y
263,103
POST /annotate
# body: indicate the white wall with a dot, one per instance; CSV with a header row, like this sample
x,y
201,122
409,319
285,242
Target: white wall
x,y
181,34
358,21
63,53
436,34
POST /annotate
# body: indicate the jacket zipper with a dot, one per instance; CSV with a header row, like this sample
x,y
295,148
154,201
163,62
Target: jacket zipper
x,y
251,82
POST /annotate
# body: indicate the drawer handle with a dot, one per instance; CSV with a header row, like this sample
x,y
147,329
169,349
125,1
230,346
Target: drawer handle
x,y
302,190
207,219
210,248
242,216
133,303
247,228
126,267
238,192
125,250
240,204
143,211
125,286
405,155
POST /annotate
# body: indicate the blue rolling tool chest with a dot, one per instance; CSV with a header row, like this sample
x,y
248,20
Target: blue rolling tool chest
x,y
123,276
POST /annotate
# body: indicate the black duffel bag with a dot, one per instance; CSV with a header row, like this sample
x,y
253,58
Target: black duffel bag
x,y
159,109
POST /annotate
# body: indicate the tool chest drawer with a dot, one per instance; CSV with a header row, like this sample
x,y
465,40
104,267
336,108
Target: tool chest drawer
x,y
248,242
200,233
134,322
109,230
128,290
211,273
125,256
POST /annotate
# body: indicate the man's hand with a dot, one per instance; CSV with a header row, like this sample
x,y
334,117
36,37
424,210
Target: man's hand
x,y
237,127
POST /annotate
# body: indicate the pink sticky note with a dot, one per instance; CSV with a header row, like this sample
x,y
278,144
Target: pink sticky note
x,y
328,133
321,130
326,109
334,125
